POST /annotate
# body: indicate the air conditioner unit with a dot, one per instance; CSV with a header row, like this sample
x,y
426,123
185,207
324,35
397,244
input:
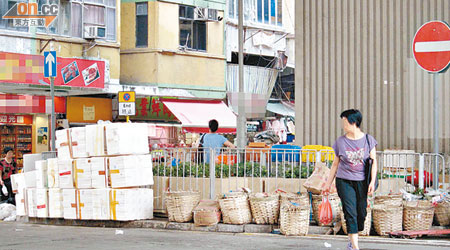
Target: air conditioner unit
x,y
201,14
213,15
94,32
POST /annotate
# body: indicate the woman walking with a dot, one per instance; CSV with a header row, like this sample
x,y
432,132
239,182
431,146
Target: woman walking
x,y
7,168
351,151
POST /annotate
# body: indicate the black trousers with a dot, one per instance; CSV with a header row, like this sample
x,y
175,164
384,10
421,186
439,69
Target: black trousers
x,y
353,195
10,198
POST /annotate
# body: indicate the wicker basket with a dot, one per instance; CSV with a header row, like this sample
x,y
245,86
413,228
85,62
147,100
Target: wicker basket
x,y
442,213
235,208
294,198
335,206
387,219
180,205
394,200
367,223
265,208
294,216
418,215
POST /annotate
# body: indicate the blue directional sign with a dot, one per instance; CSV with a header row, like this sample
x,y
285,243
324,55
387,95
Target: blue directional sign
x,y
50,64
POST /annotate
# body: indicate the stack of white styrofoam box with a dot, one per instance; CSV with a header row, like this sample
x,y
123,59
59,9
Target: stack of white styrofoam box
x,y
29,161
65,169
99,172
63,143
55,203
78,142
131,204
126,138
42,202
41,174
52,173
95,140
19,182
131,171
101,204
21,203
70,203
85,209
31,200
82,173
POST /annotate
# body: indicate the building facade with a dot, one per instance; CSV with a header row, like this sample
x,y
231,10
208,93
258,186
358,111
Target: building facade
x,y
357,54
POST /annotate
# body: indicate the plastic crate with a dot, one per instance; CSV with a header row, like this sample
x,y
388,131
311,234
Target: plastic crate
x,y
285,152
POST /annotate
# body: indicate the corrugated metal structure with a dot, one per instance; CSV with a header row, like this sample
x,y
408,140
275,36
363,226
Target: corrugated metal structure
x,y
358,54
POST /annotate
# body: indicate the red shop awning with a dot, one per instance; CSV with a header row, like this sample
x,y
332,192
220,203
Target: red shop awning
x,y
195,115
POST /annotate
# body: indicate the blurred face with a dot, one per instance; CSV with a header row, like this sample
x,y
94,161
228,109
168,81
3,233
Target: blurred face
x,y
10,154
346,125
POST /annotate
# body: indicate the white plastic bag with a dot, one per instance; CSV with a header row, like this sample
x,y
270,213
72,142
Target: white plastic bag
x,y
6,210
5,190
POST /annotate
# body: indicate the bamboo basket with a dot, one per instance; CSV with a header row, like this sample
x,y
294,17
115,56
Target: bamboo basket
x,y
294,214
180,205
394,200
367,223
235,208
335,206
265,208
442,213
387,219
417,215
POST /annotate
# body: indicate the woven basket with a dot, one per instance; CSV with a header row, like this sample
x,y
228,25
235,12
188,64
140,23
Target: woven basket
x,y
235,208
393,200
265,208
294,198
418,215
367,223
180,205
335,206
442,213
387,219
294,217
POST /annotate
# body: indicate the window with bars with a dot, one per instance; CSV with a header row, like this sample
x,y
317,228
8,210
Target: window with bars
x,y
72,16
260,11
141,24
192,32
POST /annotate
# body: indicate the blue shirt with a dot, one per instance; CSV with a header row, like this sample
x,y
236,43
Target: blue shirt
x,y
213,141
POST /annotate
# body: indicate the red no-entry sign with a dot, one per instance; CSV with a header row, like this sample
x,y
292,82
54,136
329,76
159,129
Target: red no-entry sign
x,y
431,46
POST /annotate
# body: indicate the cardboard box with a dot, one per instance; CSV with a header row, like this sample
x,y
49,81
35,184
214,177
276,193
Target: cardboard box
x,y
82,173
130,171
52,173
101,204
318,179
131,204
99,172
65,169
31,202
41,174
42,202
70,203
55,203
21,203
126,138
95,140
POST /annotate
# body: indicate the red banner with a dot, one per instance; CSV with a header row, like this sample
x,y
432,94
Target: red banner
x,y
29,69
16,119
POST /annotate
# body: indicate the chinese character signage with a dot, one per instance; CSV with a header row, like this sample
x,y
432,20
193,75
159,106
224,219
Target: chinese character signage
x,y
151,108
16,119
72,72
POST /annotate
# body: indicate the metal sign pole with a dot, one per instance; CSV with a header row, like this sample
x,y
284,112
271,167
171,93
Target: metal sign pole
x,y
436,130
53,123
241,119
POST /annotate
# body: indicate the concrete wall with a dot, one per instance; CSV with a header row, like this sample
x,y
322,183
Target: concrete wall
x,y
357,54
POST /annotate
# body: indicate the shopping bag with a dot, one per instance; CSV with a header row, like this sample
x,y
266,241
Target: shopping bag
x,y
325,211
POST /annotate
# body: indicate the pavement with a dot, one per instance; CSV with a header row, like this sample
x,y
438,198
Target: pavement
x,y
15,235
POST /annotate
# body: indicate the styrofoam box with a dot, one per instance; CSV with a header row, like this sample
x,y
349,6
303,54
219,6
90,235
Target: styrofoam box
x,y
62,144
21,181
52,173
100,204
55,203
130,171
99,172
127,138
85,209
65,169
29,161
70,203
131,204
31,200
21,203
95,140
41,174
78,142
82,173
42,202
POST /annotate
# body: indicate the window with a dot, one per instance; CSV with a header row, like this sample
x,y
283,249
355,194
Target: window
x,y
5,5
260,11
141,25
192,32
